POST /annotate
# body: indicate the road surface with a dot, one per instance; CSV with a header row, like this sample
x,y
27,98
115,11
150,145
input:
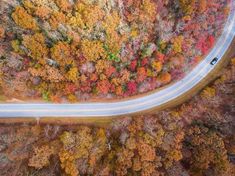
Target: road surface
x,y
167,97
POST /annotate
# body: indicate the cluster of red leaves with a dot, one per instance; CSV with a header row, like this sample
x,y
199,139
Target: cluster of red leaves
x,y
205,44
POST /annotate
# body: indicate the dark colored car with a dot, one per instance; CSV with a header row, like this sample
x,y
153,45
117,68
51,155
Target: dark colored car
x,y
214,61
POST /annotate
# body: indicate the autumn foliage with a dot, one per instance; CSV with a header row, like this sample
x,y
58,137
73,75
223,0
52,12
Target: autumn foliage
x,y
107,49
196,138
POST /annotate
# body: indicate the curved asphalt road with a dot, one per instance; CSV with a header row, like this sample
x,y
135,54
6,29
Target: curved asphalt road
x,y
171,93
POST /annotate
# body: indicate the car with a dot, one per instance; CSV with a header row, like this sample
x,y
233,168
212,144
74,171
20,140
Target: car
x,y
214,61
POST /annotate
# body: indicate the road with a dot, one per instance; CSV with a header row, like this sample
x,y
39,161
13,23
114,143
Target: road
x,y
167,97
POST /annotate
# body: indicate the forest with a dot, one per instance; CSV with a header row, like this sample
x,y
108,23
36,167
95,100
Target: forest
x,y
196,138
69,51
